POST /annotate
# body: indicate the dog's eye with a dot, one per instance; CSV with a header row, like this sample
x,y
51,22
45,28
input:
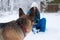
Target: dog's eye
x,y
23,20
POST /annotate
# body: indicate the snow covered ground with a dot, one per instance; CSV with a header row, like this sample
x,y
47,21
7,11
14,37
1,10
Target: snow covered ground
x,y
52,29
52,26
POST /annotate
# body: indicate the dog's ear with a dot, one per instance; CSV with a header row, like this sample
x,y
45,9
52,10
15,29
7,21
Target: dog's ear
x,y
31,16
21,12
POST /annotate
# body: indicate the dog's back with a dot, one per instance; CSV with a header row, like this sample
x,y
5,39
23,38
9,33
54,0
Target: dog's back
x,y
10,26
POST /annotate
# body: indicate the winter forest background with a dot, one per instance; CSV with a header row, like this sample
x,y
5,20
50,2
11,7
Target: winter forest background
x,y
13,5
9,5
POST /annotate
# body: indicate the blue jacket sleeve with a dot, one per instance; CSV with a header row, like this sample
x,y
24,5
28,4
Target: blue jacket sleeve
x,y
38,15
36,19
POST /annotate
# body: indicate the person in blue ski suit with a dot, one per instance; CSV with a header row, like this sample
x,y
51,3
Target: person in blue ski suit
x,y
39,24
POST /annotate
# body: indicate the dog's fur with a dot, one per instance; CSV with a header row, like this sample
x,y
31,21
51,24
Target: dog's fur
x,y
13,31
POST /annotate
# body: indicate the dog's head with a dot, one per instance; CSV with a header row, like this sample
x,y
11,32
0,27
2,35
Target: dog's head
x,y
26,20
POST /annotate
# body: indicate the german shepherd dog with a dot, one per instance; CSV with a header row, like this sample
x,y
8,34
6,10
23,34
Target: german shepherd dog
x,y
17,30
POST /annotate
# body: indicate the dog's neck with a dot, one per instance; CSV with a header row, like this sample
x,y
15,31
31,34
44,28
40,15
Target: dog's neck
x,y
24,29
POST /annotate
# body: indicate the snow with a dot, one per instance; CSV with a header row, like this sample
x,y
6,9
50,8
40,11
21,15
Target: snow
x,y
52,26
7,16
